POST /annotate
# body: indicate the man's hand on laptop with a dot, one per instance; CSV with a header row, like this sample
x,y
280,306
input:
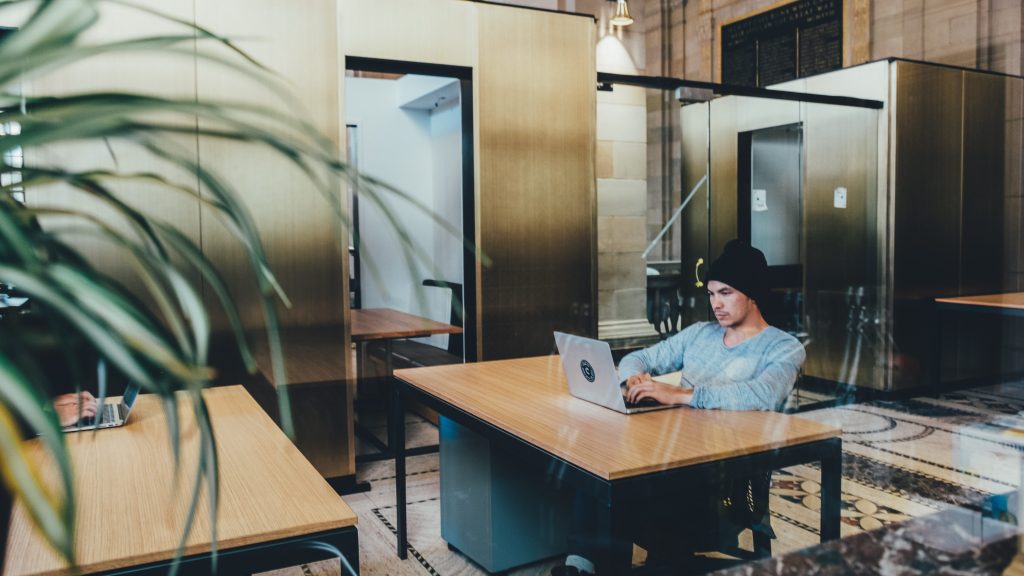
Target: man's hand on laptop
x,y
640,386
67,406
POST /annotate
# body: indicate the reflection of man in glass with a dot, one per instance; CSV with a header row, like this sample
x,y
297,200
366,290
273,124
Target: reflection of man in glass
x,y
737,362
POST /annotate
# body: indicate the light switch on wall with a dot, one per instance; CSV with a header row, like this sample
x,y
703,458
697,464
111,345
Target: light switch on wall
x,y
759,200
839,197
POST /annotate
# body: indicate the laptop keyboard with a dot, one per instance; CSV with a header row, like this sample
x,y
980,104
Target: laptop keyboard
x,y
107,414
643,403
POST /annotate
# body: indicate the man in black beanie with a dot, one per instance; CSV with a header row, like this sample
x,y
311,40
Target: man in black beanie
x,y
737,362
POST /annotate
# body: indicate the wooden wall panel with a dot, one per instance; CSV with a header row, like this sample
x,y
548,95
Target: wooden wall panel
x,y
928,165
537,202
168,76
535,116
302,236
839,252
436,32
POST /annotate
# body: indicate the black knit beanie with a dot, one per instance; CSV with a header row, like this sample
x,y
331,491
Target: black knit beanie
x,y
743,267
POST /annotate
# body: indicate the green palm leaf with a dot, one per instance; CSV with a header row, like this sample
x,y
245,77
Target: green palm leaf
x,y
163,349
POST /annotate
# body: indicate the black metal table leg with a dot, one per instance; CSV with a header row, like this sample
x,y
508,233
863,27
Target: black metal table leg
x,y
398,446
831,489
937,350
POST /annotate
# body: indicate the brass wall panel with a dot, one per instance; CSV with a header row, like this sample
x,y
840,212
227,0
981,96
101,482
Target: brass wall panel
x,y
1013,214
301,235
927,140
535,122
980,343
169,76
320,421
871,81
840,254
724,134
984,183
537,200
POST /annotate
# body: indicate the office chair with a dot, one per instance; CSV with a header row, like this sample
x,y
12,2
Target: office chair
x,y
409,354
747,507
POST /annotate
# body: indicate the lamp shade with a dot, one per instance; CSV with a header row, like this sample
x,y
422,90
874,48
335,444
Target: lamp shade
x,y
622,17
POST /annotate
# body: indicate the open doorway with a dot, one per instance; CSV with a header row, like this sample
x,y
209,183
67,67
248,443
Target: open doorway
x,y
410,125
770,213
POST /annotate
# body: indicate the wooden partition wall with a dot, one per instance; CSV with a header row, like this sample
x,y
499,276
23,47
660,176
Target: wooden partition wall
x,y
301,236
534,117
535,114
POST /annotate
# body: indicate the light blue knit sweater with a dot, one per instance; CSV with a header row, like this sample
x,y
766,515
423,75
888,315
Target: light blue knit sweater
x,y
756,374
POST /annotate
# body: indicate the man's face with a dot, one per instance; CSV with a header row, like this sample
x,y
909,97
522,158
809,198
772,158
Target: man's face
x,y
730,306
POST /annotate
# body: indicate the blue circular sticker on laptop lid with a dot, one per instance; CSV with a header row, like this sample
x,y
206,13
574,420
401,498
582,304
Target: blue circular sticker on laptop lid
x,y
588,371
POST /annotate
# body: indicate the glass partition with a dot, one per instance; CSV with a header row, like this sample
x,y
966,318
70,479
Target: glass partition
x,y
797,180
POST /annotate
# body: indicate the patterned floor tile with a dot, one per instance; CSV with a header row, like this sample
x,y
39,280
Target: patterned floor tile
x,y
902,459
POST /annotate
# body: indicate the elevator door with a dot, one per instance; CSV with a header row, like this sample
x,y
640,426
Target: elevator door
x,y
770,192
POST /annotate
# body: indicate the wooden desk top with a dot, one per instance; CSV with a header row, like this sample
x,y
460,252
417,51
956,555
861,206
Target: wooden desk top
x,y
129,515
387,324
530,398
1009,301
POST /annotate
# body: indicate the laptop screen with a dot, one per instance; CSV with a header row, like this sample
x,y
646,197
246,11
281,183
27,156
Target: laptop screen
x,y
131,392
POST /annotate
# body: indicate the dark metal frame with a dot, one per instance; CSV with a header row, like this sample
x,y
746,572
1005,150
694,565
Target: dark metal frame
x,y
262,557
384,451
668,83
618,496
464,75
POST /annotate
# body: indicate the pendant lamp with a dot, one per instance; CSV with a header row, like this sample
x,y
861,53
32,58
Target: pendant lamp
x,y
622,17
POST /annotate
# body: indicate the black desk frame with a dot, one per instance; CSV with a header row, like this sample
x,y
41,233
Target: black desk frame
x,y
384,451
263,556
618,496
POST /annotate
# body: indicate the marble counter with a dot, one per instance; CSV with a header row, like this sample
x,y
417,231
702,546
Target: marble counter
x,y
955,541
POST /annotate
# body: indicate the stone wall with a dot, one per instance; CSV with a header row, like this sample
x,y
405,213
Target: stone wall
x,y
981,34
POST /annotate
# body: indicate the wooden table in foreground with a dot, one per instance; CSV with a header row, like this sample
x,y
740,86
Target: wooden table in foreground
x,y
274,506
524,408
386,325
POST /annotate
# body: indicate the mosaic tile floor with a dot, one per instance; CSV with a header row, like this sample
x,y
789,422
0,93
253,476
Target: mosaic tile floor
x,y
901,459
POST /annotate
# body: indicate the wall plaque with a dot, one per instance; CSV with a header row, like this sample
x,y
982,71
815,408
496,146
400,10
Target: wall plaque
x,y
799,39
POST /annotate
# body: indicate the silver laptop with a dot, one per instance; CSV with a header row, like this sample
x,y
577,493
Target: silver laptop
x,y
111,414
592,376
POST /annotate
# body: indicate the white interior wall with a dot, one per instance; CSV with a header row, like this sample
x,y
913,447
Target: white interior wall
x,y
446,132
418,151
394,146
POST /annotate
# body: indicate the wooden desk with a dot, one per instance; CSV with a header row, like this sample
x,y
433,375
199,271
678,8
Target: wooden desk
x,y
524,406
1008,304
1011,304
386,325
273,503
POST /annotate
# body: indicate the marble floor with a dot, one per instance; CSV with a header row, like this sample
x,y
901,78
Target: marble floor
x,y
901,460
